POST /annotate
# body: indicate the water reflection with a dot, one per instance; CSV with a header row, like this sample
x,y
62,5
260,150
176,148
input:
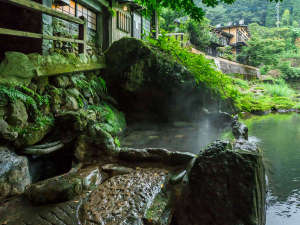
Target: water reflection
x,y
280,141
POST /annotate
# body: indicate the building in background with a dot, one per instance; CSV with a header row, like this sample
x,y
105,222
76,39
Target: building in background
x,y
219,39
240,35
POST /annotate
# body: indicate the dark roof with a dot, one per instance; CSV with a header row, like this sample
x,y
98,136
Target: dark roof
x,y
231,26
223,33
132,3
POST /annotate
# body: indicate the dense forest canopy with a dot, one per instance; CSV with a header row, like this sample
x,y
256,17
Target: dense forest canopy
x,y
194,8
252,11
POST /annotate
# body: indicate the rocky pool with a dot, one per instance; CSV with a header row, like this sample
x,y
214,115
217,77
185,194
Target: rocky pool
x,y
175,136
279,137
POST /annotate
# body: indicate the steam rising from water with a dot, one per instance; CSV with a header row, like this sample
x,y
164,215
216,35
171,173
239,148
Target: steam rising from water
x,y
175,136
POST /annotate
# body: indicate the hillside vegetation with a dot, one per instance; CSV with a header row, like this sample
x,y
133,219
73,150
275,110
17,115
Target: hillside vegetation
x,y
252,11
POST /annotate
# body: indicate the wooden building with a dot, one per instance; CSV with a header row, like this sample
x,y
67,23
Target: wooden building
x,y
221,39
83,26
240,36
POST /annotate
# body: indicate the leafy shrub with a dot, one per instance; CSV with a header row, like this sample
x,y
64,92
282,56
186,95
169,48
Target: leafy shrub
x,y
289,72
112,120
205,72
279,90
96,86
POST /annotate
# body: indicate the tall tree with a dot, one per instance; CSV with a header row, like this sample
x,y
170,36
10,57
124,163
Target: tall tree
x,y
286,18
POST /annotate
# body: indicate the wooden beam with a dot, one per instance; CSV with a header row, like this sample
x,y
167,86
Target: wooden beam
x,y
83,35
37,36
31,5
104,2
54,70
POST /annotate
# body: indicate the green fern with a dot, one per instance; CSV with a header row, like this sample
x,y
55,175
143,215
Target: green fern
x,y
14,94
96,86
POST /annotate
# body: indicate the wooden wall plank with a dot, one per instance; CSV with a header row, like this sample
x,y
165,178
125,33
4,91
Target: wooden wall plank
x,y
31,5
38,36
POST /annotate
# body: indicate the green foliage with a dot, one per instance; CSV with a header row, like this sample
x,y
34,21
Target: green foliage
x,y
96,86
167,18
43,121
112,120
268,45
241,83
288,71
226,53
279,89
252,11
117,142
204,70
188,6
285,21
199,32
239,91
14,93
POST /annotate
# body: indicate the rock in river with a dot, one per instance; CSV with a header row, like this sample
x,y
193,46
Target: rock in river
x,y
226,187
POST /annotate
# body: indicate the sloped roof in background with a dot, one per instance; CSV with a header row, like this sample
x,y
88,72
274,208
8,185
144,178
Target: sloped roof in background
x,y
132,4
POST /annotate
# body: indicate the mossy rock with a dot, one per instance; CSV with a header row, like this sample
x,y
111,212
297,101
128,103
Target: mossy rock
x,y
148,81
16,67
226,187
32,134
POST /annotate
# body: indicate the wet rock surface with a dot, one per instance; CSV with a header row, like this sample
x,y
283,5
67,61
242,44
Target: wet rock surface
x,y
20,211
239,130
65,187
125,199
14,173
135,198
155,155
226,187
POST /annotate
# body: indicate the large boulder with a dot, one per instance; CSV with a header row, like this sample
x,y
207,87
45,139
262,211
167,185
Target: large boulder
x,y
96,143
14,173
226,187
16,67
147,82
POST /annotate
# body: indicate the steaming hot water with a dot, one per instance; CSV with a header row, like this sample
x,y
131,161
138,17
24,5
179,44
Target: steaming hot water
x,y
176,136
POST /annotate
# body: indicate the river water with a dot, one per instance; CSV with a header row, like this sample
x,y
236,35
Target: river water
x,y
279,137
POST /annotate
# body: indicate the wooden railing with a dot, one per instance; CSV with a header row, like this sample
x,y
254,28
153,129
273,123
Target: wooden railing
x,y
178,36
31,5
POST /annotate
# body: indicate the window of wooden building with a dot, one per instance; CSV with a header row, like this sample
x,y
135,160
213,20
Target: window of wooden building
x,y
76,9
123,22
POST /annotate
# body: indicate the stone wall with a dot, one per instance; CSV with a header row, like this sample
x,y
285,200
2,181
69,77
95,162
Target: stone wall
x,y
230,67
58,27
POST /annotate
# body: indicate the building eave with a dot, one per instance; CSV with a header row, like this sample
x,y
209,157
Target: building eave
x,y
132,4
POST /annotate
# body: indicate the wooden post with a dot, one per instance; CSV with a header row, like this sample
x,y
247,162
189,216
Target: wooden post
x,y
155,25
83,35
